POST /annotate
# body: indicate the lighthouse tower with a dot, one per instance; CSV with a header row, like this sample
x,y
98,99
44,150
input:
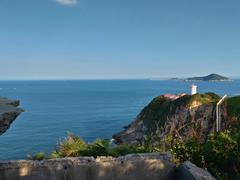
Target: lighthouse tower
x,y
193,89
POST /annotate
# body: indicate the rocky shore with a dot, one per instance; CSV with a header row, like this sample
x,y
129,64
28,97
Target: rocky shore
x,y
9,111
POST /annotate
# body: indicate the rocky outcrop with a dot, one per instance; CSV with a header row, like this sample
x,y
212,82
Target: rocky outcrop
x,y
189,171
183,116
135,167
9,111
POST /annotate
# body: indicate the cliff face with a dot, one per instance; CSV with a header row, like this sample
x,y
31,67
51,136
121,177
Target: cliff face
x,y
183,116
8,113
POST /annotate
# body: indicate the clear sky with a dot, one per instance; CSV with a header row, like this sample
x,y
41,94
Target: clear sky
x,y
97,39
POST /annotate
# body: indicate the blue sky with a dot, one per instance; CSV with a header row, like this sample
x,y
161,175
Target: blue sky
x,y
99,39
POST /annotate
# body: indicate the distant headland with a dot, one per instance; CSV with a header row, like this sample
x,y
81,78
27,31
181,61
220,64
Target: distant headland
x,y
208,78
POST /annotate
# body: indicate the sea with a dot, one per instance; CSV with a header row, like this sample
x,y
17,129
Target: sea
x,y
88,108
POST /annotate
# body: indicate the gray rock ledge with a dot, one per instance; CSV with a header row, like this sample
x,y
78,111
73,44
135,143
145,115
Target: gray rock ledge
x,y
9,111
189,171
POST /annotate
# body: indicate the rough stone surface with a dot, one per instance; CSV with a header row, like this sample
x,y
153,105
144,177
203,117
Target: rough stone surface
x,y
189,171
133,134
154,166
198,120
9,111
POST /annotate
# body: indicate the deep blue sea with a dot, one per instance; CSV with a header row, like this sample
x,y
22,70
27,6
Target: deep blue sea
x,y
88,108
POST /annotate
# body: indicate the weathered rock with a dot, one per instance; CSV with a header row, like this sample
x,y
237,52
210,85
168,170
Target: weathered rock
x,y
9,111
185,116
133,167
189,171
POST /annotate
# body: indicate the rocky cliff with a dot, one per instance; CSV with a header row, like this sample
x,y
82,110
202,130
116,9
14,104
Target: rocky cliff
x,y
9,111
180,115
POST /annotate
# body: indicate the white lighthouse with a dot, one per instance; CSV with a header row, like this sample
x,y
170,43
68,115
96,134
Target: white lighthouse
x,y
193,89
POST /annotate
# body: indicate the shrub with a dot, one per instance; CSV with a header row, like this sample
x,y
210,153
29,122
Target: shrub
x,y
124,149
72,146
223,155
98,148
220,154
56,154
38,156
190,149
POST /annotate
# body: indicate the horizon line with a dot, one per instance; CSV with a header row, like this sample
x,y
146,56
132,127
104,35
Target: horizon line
x,y
101,79
114,78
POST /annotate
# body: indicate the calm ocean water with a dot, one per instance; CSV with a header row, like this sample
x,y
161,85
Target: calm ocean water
x,y
89,109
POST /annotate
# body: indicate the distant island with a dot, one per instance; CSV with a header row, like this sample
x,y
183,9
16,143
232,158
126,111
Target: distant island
x,y
211,77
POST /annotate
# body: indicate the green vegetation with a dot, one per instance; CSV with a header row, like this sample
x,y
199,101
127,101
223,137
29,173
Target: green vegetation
x,y
211,77
233,105
160,108
187,100
156,112
233,111
220,154
73,146
38,156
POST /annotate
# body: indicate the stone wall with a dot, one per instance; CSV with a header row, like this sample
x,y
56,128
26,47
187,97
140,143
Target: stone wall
x,y
155,166
131,167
